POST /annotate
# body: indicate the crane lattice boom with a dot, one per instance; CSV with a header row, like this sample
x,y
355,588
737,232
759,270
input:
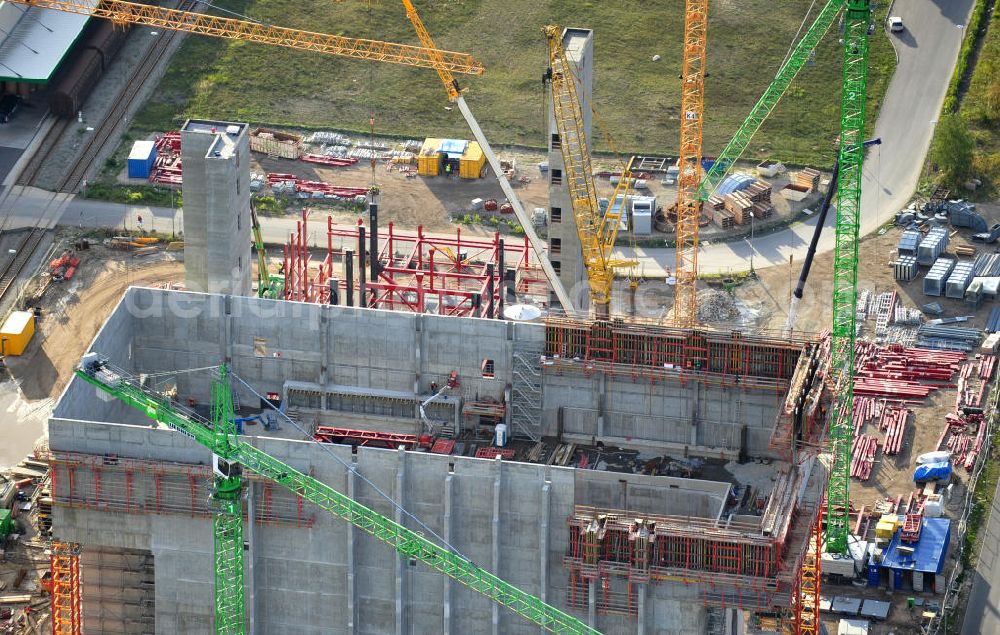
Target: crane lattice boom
x,y
772,94
121,12
597,232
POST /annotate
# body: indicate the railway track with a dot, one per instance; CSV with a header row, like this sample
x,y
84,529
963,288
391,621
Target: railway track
x,y
104,132
25,249
29,174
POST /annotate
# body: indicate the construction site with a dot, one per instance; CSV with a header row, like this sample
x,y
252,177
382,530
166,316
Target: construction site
x,y
369,427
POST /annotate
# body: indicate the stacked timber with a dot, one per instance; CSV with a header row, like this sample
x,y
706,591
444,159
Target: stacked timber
x,y
715,202
275,143
740,206
723,218
807,178
759,191
762,211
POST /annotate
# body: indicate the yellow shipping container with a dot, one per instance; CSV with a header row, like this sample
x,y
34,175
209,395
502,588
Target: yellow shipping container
x,y
16,332
435,152
429,160
473,162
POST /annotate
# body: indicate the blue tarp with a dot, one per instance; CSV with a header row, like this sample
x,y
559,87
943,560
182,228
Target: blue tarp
x,y
735,183
928,553
932,472
454,148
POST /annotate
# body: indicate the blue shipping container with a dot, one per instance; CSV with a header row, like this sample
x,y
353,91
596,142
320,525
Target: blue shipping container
x,y
141,159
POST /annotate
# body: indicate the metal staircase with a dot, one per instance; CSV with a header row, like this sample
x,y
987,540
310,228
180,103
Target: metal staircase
x,y
526,393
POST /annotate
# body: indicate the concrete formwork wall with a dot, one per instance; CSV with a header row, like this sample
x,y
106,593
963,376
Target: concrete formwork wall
x,y
330,578
383,350
691,413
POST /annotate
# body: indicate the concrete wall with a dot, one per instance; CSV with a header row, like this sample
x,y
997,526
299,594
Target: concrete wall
x,y
270,343
579,46
331,578
217,224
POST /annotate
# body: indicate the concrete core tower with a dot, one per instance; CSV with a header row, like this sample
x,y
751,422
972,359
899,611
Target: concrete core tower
x,y
216,158
564,243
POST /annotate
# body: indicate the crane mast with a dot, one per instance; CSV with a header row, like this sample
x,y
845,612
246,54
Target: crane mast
x,y
688,181
226,503
854,93
229,449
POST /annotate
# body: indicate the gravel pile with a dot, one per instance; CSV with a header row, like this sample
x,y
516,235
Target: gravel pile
x,y
717,306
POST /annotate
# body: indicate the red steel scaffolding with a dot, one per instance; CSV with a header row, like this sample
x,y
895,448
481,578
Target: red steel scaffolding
x,y
420,273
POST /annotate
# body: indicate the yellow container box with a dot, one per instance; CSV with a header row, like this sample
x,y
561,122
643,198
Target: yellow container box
x,y
473,162
16,332
429,160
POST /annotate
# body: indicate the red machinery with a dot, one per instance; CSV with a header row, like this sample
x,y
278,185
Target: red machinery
x,y
63,267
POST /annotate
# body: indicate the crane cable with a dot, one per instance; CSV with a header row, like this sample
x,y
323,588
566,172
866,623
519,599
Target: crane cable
x,y
353,469
791,47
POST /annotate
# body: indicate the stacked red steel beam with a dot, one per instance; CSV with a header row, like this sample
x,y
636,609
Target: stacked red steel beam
x,y
325,160
970,458
901,373
863,453
315,187
987,364
866,409
893,423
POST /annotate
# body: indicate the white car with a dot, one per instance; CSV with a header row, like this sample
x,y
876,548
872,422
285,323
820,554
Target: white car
x,y
895,24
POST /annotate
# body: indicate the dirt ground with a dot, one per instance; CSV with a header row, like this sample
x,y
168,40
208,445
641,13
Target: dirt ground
x,y
73,311
410,200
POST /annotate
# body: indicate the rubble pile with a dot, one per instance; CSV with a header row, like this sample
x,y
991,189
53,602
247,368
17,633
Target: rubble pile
x,y
717,306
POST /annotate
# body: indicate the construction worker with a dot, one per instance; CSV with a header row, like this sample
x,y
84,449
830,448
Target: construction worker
x,y
447,169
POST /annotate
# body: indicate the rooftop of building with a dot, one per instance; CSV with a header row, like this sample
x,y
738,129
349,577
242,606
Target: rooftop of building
x,y
35,41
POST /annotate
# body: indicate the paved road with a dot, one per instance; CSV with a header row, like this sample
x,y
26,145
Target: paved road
x,y
981,614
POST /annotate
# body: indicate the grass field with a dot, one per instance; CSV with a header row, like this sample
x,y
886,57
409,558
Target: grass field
x,y
981,109
637,99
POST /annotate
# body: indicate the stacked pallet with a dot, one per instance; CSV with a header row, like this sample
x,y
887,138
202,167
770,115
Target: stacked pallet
x,y
807,178
740,205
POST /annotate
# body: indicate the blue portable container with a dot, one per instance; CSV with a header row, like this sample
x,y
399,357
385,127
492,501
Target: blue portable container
x,y
141,159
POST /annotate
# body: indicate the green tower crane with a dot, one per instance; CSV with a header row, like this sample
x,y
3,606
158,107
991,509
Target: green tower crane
x,y
854,94
226,503
229,453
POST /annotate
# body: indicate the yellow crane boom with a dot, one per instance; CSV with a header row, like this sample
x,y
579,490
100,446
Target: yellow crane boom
x,y
455,95
121,12
597,232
